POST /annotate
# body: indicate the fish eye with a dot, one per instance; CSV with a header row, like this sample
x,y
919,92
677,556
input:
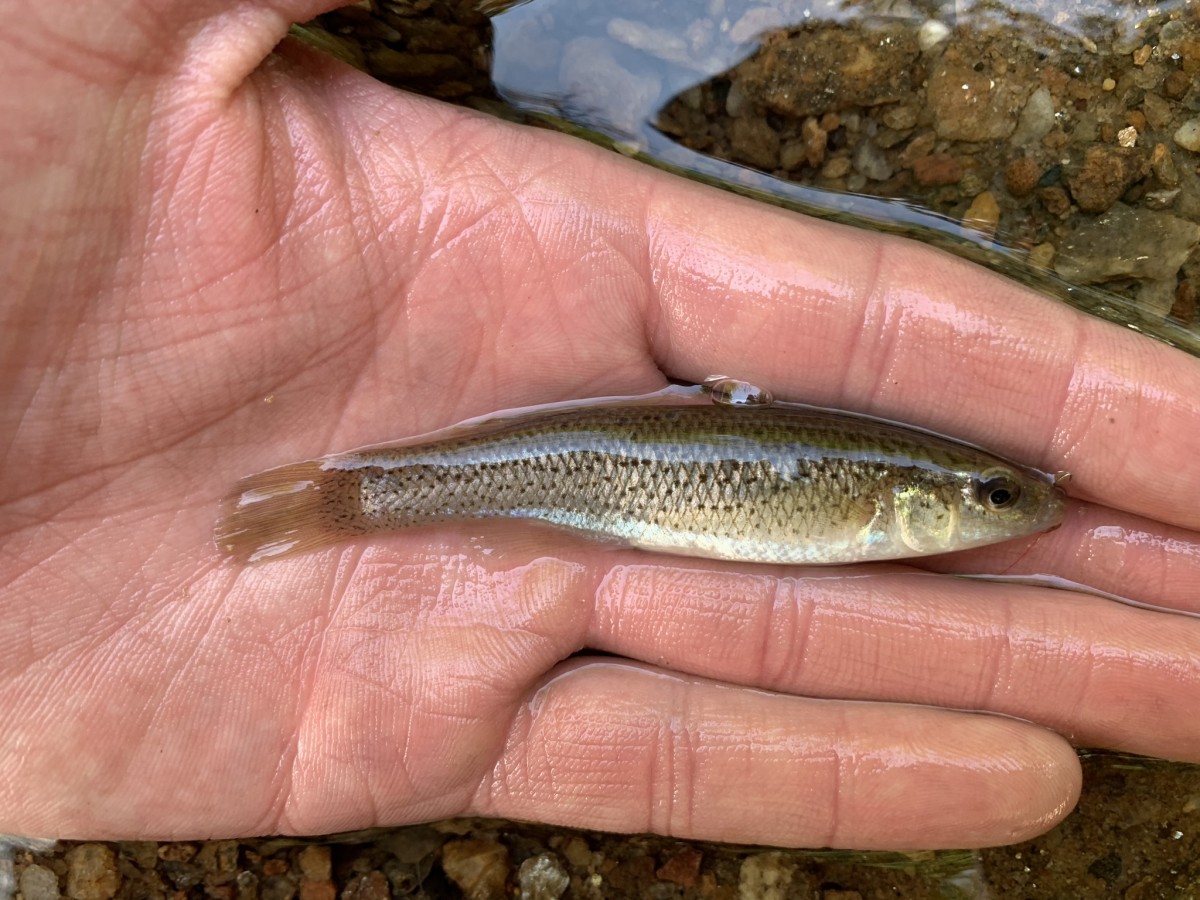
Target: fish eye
x,y
997,491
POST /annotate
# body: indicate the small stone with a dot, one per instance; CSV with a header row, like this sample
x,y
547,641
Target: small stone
x,y
1176,85
1056,200
816,140
178,852
838,167
1021,176
316,863
792,155
1036,119
1188,135
275,867
931,33
682,868
901,118
317,890
1161,199
1109,84
922,144
577,852
765,876
1127,137
39,883
1157,111
937,170
970,105
218,860
277,887
1042,255
542,877
754,142
92,872
983,215
371,885
247,885
1105,174
1141,55
478,867
1162,164
871,163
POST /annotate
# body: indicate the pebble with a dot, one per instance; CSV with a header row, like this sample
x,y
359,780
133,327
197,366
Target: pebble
x,y
1021,176
478,867
1036,119
1126,243
983,215
92,872
1104,174
1187,135
542,877
754,142
316,863
682,868
764,876
936,170
39,883
870,161
971,106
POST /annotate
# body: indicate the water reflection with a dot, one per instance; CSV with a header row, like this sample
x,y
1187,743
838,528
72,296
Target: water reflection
x,y
1055,144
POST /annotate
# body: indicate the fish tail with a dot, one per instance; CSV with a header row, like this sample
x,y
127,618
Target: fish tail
x,y
287,510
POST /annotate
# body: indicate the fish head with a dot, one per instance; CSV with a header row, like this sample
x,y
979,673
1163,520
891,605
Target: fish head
x,y
974,506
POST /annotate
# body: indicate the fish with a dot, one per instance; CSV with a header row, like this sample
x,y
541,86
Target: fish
x,y
731,476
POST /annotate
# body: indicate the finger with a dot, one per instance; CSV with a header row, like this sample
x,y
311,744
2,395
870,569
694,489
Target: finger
x,y
1101,673
1122,554
839,317
620,748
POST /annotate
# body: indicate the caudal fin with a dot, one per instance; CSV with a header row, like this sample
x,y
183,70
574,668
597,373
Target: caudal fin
x,y
285,510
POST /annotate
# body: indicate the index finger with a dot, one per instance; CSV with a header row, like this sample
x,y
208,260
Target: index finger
x,y
840,317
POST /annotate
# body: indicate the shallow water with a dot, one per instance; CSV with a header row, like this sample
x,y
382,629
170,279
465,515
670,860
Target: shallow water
x,y
1057,146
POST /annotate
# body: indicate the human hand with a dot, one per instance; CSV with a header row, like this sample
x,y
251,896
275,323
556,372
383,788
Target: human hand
x,y
213,266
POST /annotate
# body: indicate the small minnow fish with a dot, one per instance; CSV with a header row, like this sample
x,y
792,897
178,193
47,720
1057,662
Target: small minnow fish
x,y
735,476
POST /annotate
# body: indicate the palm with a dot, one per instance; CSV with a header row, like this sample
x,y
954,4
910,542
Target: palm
x,y
235,307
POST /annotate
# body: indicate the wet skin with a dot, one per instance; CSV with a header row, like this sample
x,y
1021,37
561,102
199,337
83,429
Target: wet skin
x,y
214,264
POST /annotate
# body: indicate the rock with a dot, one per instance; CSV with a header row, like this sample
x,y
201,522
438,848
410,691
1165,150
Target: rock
x,y
765,876
371,885
542,877
1036,119
1055,199
931,33
39,883
1127,243
937,170
279,887
983,215
1021,176
871,163
1157,110
831,68
1187,135
1162,164
754,142
971,106
478,867
1041,255
315,862
682,868
92,872
1177,85
218,860
577,852
1104,174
